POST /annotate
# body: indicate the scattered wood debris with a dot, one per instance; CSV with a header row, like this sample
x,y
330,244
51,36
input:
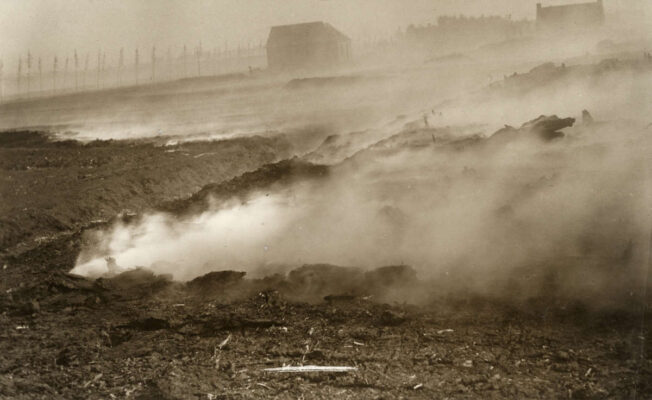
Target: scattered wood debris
x,y
311,368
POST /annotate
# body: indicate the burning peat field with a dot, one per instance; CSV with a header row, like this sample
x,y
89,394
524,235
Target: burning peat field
x,y
407,229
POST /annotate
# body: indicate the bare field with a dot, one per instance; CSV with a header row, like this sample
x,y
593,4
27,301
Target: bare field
x,y
494,244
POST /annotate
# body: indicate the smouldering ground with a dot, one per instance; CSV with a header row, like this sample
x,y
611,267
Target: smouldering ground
x,y
142,336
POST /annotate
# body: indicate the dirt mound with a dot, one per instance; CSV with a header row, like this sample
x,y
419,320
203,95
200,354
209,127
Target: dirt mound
x,y
10,139
549,73
545,127
215,281
328,81
336,148
51,188
138,282
384,277
280,173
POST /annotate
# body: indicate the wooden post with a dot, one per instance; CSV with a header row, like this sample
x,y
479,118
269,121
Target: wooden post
x,y
55,63
29,70
20,71
136,64
185,69
99,62
121,61
85,70
2,82
76,71
153,63
40,76
65,74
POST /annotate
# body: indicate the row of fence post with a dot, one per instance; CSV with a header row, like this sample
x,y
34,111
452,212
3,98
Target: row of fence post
x,y
170,66
35,79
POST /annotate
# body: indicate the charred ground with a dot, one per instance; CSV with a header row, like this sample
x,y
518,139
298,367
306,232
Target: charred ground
x,y
140,335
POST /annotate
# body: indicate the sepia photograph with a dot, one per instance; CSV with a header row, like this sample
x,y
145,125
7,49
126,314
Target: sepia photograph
x,y
325,199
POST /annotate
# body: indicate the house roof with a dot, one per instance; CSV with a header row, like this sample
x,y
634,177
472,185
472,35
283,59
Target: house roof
x,y
305,33
577,10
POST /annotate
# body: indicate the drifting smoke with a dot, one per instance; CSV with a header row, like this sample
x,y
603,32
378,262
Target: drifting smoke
x,y
482,213
440,194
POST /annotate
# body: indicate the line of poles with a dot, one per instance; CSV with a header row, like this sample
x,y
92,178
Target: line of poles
x,y
74,77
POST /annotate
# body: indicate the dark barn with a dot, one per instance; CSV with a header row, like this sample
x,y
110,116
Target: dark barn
x,y
571,16
307,45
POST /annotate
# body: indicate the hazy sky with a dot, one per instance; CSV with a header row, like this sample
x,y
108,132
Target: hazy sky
x,y
47,27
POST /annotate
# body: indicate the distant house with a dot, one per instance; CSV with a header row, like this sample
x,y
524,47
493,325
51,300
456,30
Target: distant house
x,y
307,45
459,33
571,16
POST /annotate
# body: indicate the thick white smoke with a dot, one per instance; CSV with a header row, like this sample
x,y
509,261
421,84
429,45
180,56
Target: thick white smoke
x,y
479,212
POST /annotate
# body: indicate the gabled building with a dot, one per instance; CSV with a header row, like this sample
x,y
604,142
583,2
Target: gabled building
x,y
307,45
571,16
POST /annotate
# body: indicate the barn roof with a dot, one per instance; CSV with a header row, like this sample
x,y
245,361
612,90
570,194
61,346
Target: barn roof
x,y
305,33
